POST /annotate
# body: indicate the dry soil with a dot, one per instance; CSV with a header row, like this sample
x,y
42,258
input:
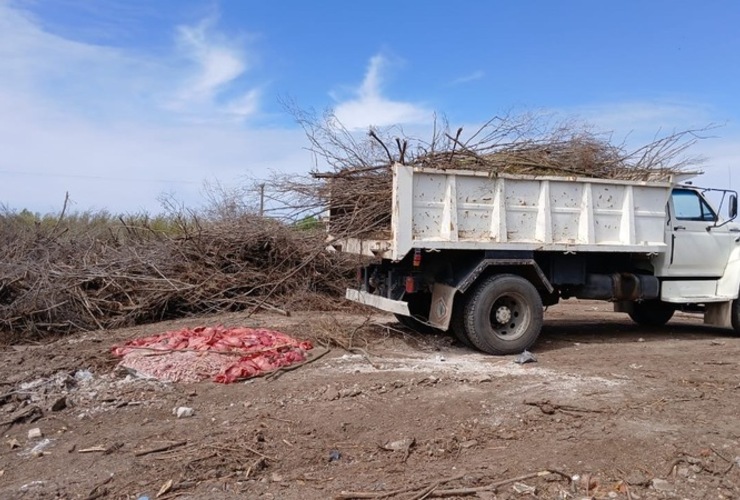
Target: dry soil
x,y
609,410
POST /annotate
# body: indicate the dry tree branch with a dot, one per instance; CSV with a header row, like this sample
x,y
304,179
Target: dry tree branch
x,y
385,148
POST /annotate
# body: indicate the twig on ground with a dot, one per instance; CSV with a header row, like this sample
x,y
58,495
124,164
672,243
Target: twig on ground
x,y
28,414
431,490
247,448
720,455
158,449
275,374
99,491
549,408
94,449
349,495
488,487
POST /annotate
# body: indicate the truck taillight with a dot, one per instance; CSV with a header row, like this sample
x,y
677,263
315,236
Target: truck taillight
x,y
417,258
359,276
410,284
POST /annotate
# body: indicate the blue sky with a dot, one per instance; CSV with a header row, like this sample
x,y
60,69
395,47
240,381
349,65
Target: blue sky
x,y
122,102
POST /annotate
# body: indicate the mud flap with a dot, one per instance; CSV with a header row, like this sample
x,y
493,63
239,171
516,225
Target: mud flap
x,y
718,314
441,311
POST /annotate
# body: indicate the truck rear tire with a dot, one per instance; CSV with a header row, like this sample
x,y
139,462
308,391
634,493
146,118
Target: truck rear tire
x,y
503,315
457,322
651,312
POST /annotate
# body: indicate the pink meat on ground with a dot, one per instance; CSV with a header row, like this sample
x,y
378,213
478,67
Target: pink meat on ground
x,y
224,354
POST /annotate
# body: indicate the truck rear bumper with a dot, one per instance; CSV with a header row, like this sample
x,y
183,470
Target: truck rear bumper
x,y
368,299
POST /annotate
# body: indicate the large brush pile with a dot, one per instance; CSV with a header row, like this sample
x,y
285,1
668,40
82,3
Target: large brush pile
x,y
79,276
358,187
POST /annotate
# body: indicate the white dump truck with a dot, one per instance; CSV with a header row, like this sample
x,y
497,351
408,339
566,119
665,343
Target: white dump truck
x,y
481,255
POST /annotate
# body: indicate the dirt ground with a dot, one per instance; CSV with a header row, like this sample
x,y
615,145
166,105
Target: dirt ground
x,y
609,410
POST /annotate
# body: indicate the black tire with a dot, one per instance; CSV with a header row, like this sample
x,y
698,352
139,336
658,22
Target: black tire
x,y
736,315
457,322
416,325
503,315
651,312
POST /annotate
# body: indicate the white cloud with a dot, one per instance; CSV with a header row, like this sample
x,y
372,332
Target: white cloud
x,y
29,56
218,65
203,78
370,108
126,166
219,62
246,105
92,120
476,75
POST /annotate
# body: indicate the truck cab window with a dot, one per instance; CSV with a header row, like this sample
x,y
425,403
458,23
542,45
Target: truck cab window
x,y
688,205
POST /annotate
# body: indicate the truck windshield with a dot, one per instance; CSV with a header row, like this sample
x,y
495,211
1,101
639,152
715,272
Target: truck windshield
x,y
688,205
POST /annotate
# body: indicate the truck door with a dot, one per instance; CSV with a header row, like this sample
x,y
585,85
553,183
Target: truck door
x,y
696,248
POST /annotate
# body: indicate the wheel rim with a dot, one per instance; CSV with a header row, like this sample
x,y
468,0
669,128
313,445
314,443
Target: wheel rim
x,y
509,316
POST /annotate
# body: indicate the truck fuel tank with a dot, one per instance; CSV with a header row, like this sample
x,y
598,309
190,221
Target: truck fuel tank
x,y
619,286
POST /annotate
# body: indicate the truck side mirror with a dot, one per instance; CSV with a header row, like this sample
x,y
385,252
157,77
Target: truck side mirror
x,y
733,206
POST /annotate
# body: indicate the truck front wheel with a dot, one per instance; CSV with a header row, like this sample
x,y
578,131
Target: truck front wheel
x,y
736,315
651,312
503,315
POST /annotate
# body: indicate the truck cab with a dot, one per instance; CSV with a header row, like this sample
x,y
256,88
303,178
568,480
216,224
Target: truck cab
x,y
699,241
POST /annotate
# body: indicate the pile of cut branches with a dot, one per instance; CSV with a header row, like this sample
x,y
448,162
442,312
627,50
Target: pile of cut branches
x,y
71,276
358,184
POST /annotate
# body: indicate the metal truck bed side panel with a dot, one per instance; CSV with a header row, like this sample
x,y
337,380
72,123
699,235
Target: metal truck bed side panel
x,y
473,210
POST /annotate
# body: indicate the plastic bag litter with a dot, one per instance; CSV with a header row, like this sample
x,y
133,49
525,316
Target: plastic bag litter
x,y
525,357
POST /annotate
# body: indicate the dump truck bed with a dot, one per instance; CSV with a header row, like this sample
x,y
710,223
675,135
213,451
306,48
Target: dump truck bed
x,y
456,209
